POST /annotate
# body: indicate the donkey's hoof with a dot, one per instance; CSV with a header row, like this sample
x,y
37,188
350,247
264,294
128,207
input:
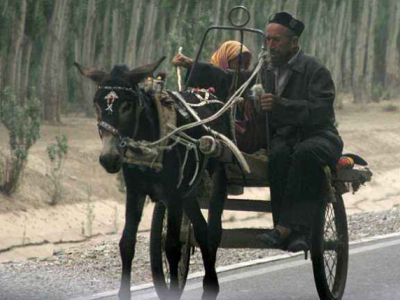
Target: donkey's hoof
x,y
209,295
211,288
124,294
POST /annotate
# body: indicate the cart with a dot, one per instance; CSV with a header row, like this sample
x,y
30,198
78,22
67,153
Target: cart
x,y
329,246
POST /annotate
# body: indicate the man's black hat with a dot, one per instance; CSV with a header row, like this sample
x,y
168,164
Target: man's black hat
x,y
287,20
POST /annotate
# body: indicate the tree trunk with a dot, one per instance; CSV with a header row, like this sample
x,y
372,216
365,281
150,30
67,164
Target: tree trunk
x,y
315,29
115,37
338,44
16,48
392,54
1,74
44,92
137,9
105,56
25,70
347,63
361,55
146,42
51,91
87,86
370,53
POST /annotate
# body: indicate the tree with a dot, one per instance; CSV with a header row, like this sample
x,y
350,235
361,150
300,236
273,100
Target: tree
x,y
23,125
40,40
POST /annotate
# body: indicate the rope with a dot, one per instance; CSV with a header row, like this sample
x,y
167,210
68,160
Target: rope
x,y
232,146
226,106
182,171
184,140
205,102
189,146
151,147
196,171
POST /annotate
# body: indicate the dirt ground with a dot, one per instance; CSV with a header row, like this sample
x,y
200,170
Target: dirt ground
x,y
92,204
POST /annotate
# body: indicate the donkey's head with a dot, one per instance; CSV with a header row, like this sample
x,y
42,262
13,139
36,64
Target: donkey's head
x,y
120,105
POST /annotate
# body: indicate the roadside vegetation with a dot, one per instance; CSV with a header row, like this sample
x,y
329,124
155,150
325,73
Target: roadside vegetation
x,y
22,121
57,153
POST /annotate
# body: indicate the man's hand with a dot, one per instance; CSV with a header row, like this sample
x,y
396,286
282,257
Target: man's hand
x,y
267,101
181,60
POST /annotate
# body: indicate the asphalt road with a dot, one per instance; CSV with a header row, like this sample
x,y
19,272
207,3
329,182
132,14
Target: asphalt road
x,y
374,274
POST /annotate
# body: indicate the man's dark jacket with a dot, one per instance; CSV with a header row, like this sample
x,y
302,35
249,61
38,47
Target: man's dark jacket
x,y
306,105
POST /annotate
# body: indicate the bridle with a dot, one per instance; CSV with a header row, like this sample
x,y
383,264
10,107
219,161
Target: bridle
x,y
102,125
142,153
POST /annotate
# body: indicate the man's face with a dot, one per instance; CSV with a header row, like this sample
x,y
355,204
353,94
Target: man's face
x,y
281,43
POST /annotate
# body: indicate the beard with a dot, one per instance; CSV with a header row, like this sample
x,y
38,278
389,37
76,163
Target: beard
x,y
278,58
277,61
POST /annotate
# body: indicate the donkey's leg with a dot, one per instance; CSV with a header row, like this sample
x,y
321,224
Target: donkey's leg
x,y
192,210
217,201
133,214
173,244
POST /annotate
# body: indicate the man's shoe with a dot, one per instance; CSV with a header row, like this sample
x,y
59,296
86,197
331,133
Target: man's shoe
x,y
297,243
271,239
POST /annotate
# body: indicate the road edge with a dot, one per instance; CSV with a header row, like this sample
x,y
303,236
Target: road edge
x,y
235,266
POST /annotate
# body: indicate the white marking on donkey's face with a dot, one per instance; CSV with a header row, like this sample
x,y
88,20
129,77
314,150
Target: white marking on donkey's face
x,y
110,98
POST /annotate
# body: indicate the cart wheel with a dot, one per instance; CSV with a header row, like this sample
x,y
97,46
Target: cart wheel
x,y
158,258
330,250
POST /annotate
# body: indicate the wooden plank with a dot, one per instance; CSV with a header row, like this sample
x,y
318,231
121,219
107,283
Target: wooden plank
x,y
239,238
258,177
243,205
242,238
351,175
248,205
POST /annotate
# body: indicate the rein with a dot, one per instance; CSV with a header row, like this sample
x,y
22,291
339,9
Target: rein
x,y
231,102
136,92
142,153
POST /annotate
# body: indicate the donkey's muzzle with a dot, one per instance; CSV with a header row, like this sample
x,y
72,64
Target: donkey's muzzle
x,y
111,163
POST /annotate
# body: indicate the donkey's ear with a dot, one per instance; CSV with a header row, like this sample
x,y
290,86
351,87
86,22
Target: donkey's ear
x,y
136,75
98,76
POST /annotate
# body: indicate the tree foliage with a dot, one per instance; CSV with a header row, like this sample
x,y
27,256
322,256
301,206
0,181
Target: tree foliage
x,y
57,153
23,125
358,40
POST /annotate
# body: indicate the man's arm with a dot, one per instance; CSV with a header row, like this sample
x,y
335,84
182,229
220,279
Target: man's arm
x,y
205,75
318,109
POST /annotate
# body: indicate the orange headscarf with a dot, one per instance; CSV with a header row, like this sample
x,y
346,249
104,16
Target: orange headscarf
x,y
226,52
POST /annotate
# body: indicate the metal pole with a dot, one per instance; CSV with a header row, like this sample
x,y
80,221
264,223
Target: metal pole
x,y
178,71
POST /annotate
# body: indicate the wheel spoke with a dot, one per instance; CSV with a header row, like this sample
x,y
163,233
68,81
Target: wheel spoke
x,y
331,246
185,252
164,257
159,261
330,262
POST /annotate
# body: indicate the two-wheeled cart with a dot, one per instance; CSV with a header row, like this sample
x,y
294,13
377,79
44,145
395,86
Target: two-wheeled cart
x,y
329,247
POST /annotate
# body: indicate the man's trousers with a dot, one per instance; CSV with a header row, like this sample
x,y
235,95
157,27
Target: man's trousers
x,y
296,178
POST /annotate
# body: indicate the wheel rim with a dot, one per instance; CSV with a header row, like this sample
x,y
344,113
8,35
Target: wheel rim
x,y
165,265
183,267
185,253
334,250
